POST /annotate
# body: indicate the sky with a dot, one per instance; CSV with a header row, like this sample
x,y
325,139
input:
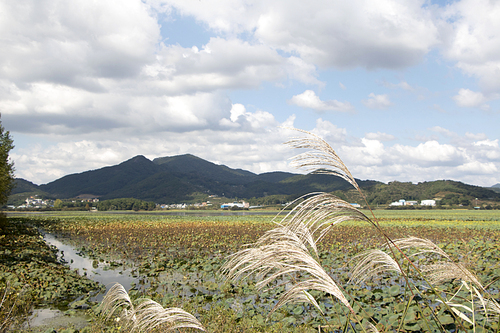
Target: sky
x,y
405,90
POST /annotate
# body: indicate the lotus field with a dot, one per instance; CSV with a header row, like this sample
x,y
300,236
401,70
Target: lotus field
x,y
178,261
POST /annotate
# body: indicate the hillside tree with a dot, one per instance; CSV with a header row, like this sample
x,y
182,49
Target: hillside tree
x,y
6,165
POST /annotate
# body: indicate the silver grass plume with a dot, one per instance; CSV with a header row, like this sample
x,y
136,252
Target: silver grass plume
x,y
422,244
370,328
148,315
117,298
440,271
319,212
281,254
494,309
323,159
151,315
371,263
445,271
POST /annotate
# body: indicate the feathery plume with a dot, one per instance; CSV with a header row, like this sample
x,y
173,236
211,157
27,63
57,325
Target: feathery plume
x,y
319,212
148,315
151,315
444,271
371,263
424,245
322,160
116,298
280,257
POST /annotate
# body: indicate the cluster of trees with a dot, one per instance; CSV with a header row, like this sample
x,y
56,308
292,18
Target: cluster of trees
x,y
72,205
126,204
6,165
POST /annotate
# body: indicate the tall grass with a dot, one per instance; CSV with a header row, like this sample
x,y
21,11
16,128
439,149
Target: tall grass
x,y
146,315
288,255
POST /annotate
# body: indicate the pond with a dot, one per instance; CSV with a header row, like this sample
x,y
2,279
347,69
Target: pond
x,y
100,272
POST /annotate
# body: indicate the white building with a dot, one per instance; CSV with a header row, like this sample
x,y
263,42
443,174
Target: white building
x,y
242,204
428,203
398,203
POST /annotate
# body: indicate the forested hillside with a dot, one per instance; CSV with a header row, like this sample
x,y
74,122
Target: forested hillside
x,y
186,178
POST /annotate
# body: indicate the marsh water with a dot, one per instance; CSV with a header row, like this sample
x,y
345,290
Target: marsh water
x,y
100,272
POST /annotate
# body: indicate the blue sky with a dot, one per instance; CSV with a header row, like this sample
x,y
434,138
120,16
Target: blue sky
x,y
402,90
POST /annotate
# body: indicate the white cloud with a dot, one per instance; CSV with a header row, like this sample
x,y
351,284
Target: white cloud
x,y
309,99
474,41
380,136
386,33
302,71
469,98
478,168
377,101
430,152
229,64
443,131
51,41
330,132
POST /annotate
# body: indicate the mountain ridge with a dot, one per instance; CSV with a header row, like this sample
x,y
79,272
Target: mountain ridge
x,y
174,179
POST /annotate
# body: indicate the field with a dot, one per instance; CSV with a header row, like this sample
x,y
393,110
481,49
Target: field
x,y
176,261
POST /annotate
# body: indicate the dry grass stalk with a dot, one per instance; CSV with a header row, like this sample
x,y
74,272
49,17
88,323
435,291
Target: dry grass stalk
x,y
116,298
445,271
322,156
319,213
281,257
423,245
372,263
148,315
151,315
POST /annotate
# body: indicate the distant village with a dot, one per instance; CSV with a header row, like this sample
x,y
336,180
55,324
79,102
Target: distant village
x,y
404,202
33,202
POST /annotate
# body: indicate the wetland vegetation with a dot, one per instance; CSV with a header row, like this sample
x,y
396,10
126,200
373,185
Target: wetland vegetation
x,y
177,259
322,265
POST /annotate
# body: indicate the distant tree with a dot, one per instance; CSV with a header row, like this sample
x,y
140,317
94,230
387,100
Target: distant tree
x,y
6,165
58,203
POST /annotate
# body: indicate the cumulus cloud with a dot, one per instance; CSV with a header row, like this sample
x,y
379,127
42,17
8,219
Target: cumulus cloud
x,y
104,83
50,41
308,99
380,136
257,145
377,101
430,152
474,38
469,98
388,34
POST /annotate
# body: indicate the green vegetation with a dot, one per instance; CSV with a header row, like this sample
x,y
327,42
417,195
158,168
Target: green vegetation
x,y
322,265
125,204
178,259
6,165
31,276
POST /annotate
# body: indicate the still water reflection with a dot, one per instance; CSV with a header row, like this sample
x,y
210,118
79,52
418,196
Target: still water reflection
x,y
94,270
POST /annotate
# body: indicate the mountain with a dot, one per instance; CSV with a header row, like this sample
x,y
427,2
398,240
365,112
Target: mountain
x,y
496,188
175,179
24,186
103,181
